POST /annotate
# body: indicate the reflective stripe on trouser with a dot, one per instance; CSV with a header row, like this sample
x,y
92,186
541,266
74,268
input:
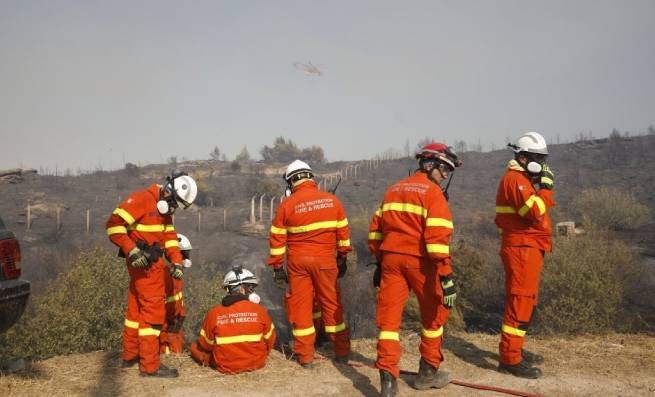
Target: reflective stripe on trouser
x,y
522,270
399,274
145,304
309,277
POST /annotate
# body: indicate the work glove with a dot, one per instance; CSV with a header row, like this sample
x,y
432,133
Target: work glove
x,y
342,265
377,275
138,258
547,179
280,277
177,271
449,294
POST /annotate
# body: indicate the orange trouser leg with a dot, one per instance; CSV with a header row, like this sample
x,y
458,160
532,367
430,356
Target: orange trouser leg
x,y
392,295
150,293
131,328
327,293
299,310
176,341
317,316
522,270
423,281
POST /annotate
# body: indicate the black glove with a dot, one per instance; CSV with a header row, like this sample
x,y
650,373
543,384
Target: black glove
x,y
280,277
177,271
547,179
342,265
377,275
449,293
138,258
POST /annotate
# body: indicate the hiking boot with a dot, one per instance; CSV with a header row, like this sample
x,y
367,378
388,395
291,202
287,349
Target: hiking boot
x,y
430,377
342,359
129,363
532,358
522,370
388,385
308,365
162,372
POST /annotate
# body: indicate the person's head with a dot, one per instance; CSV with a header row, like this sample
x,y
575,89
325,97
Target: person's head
x,y
437,160
297,172
530,151
179,189
240,281
185,249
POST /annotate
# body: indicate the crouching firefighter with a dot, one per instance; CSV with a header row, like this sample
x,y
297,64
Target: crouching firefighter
x,y
142,228
171,339
238,334
409,235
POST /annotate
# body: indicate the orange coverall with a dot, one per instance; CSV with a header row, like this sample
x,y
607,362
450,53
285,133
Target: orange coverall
x,y
172,335
409,235
236,336
522,216
309,226
137,220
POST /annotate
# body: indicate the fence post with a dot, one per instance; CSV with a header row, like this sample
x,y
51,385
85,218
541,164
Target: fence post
x,y
224,219
58,221
252,209
271,209
261,207
199,221
88,221
29,216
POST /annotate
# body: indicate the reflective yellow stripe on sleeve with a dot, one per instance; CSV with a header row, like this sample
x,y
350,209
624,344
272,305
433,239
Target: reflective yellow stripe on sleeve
x,y
278,230
131,324
513,331
405,207
116,230
169,228
432,333
505,210
270,332
530,203
171,243
437,248
375,236
378,212
389,335
304,331
125,215
343,243
149,332
204,335
278,251
439,222
227,340
331,329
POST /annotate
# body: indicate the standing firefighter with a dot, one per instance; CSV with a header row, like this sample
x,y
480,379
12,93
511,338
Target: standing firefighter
x,y
142,228
522,216
310,226
409,235
171,338
238,334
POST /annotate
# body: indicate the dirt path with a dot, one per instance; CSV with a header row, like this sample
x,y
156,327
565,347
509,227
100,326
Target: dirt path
x,y
615,365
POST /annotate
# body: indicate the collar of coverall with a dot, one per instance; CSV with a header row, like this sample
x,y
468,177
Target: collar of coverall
x,y
232,299
304,183
154,190
515,166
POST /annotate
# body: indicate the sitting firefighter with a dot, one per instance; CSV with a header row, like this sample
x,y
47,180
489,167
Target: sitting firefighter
x,y
238,334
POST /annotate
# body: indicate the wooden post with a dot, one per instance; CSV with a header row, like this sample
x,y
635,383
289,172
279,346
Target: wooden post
x,y
224,219
29,216
252,209
58,222
261,207
88,221
271,209
199,221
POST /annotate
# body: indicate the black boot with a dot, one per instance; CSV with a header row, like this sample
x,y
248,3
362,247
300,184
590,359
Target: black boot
x,y
162,372
388,385
430,377
522,370
532,358
129,363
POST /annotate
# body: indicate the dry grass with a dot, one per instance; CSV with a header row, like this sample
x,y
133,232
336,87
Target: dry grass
x,y
582,366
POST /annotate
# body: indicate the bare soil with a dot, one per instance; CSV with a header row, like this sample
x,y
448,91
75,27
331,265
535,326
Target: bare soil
x,y
613,365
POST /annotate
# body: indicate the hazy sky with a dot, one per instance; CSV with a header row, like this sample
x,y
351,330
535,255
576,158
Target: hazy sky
x,y
95,83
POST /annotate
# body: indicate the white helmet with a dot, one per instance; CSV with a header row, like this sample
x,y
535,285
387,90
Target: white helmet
x,y
298,167
531,142
185,244
237,276
184,189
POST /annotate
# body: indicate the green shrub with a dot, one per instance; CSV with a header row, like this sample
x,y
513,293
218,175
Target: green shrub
x,y
582,285
201,293
611,208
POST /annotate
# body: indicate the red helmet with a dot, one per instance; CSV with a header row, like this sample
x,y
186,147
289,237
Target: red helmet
x,y
440,152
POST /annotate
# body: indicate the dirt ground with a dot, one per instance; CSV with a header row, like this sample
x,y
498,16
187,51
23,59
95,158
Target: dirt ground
x,y
614,365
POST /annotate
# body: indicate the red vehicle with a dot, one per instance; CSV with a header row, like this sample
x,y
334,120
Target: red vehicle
x,y
14,291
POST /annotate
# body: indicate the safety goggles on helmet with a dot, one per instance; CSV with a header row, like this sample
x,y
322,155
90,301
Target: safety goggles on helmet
x,y
440,154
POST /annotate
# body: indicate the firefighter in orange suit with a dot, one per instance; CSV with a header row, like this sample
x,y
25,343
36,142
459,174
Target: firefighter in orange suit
x,y
409,235
525,226
238,334
171,339
142,228
310,226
